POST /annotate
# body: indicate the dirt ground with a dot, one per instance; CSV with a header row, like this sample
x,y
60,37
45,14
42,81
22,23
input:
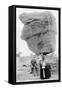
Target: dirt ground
x,y
23,72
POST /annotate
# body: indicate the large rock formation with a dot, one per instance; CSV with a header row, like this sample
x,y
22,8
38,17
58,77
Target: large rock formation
x,y
39,31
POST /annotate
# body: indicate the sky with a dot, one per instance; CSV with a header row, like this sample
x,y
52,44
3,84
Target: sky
x,y
21,45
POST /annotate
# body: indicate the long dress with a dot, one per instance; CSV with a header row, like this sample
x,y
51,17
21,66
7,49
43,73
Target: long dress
x,y
45,73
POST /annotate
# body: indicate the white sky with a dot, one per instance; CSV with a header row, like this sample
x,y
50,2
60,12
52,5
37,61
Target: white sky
x,y
21,45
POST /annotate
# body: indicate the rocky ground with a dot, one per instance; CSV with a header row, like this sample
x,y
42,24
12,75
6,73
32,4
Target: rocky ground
x,y
23,71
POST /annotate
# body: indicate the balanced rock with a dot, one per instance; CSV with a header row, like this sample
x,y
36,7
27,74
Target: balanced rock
x,y
39,31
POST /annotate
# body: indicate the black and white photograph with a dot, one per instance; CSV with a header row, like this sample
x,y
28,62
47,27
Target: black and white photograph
x,y
37,45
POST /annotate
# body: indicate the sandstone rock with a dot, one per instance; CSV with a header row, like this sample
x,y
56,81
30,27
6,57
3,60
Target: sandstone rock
x,y
39,31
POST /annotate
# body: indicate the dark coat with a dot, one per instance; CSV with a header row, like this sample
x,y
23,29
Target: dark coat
x,y
47,71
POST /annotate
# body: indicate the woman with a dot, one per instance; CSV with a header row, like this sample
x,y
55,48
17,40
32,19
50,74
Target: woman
x,y
45,69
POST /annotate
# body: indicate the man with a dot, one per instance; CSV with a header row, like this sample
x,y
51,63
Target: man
x,y
45,69
33,66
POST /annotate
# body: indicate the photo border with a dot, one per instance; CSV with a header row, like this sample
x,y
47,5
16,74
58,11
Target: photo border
x,y
14,42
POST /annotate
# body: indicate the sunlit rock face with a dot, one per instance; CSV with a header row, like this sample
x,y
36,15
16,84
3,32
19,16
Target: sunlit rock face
x,y
39,31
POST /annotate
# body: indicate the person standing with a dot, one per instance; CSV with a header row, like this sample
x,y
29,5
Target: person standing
x,y
33,65
45,69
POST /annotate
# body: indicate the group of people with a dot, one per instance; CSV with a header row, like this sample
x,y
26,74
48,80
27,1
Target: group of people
x,y
43,67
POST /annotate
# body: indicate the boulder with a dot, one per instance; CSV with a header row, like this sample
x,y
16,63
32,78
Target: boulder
x,y
39,31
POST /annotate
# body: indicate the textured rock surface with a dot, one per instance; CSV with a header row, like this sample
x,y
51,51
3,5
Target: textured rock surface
x,y
39,31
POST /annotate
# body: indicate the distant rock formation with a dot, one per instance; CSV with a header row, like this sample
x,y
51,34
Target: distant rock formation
x,y
39,31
